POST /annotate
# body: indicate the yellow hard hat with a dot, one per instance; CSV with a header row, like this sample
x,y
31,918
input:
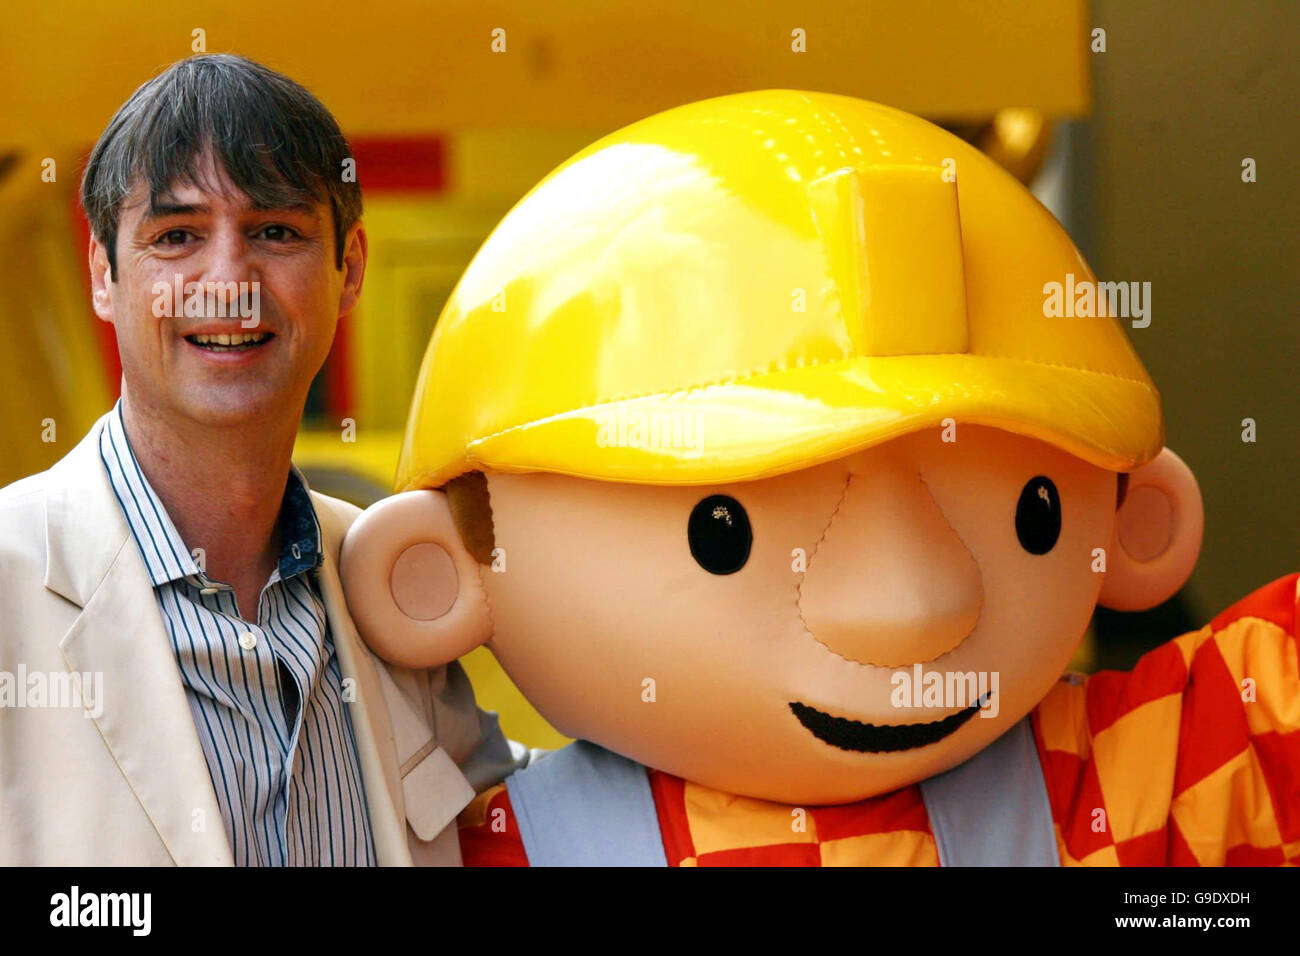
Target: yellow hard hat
x,y
758,283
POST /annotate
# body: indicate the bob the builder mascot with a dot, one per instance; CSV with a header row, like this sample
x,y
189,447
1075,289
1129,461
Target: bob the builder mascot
x,y
746,445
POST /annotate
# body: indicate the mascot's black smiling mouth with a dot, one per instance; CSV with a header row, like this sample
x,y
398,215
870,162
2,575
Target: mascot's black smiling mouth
x,y
859,737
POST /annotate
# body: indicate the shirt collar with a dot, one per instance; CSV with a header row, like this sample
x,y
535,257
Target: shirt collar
x,y
165,553
299,528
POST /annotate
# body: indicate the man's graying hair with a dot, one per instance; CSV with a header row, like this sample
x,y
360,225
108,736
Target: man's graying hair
x,y
275,140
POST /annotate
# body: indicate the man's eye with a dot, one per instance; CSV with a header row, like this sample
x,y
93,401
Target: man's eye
x,y
173,237
277,233
719,534
1038,516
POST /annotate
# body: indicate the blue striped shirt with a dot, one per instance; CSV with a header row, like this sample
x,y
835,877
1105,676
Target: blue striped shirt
x,y
267,695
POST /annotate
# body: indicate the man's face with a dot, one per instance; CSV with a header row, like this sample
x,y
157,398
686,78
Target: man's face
x,y
784,679
211,233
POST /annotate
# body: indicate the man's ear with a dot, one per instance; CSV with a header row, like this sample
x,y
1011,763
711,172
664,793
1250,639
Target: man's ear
x,y
414,591
1157,537
100,279
357,250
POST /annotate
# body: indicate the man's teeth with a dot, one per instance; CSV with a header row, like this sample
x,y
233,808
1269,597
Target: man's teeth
x,y
235,338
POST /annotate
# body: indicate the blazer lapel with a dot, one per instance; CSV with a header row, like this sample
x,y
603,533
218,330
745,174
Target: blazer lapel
x,y
371,725
146,722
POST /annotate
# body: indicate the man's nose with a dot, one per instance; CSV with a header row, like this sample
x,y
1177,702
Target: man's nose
x,y
226,262
890,583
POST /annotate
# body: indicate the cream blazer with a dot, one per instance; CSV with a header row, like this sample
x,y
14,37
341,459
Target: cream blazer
x,y
131,786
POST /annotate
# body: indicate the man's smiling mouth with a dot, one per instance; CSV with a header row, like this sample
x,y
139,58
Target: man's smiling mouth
x,y
233,342
861,737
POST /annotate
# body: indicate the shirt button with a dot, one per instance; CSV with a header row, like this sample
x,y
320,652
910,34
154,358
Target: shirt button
x,y
209,590
248,640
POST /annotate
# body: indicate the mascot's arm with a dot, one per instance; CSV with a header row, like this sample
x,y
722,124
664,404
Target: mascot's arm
x,y
1193,757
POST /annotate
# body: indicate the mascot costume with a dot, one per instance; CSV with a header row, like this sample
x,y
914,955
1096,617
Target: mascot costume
x,y
752,447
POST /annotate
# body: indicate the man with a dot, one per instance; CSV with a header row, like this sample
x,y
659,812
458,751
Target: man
x,y
170,586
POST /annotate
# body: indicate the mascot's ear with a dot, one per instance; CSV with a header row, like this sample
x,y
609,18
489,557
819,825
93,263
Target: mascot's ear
x,y
1157,537
413,589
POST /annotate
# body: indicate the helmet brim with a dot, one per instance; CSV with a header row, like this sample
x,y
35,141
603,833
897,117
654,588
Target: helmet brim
x,y
783,420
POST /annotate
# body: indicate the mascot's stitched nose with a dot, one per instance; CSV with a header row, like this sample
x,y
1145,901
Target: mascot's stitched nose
x,y
890,583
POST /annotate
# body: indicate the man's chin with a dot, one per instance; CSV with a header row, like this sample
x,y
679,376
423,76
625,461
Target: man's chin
x,y
239,406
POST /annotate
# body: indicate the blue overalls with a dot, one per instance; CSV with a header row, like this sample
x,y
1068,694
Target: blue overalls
x,y
586,806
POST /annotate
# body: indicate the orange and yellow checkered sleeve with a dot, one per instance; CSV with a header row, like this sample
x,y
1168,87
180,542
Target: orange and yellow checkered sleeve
x,y
1190,759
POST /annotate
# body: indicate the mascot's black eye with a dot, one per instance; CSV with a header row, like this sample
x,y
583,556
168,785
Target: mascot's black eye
x,y
720,535
1038,516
